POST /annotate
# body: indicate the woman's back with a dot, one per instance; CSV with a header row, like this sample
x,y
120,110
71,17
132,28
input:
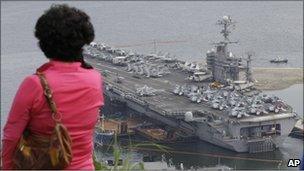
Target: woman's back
x,y
78,95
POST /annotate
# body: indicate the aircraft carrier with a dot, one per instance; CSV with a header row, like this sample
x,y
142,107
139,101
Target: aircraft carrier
x,y
215,101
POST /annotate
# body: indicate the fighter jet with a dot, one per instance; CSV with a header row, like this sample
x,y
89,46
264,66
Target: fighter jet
x,y
146,91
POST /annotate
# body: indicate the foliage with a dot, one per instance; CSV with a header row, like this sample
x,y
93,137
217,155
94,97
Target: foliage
x,y
127,165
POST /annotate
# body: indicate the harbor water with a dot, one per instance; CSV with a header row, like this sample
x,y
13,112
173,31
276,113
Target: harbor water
x,y
185,30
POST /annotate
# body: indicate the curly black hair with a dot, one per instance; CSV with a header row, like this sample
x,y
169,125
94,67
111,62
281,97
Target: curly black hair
x,y
62,32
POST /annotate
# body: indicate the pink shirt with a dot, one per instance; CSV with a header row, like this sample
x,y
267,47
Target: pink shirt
x,y
77,93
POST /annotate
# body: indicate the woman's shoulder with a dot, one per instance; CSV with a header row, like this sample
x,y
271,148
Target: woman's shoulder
x,y
93,77
31,84
32,80
93,73
96,72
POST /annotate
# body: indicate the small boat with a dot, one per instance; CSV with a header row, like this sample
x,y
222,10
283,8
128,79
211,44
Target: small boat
x,y
279,60
153,134
102,136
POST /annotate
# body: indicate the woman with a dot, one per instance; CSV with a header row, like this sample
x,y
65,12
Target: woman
x,y
62,32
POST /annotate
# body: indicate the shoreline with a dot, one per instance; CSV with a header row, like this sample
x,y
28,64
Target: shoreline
x,y
277,78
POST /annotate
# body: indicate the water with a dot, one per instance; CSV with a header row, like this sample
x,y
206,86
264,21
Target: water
x,y
269,29
196,155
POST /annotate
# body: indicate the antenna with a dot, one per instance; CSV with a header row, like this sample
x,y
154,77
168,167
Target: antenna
x,y
248,67
228,24
154,46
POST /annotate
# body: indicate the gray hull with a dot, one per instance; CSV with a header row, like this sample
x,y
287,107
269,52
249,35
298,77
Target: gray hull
x,y
214,136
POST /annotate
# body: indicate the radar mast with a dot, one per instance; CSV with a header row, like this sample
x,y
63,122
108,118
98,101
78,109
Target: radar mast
x,y
248,67
228,24
223,64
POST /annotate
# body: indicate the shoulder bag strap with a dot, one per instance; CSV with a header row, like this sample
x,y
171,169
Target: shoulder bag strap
x,y
61,156
49,97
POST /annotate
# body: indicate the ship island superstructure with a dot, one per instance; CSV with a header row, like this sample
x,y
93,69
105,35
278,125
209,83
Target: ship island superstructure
x,y
216,102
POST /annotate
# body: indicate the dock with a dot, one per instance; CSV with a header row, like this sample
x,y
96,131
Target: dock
x,y
122,127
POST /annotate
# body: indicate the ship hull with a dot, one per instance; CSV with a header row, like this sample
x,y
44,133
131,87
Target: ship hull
x,y
213,136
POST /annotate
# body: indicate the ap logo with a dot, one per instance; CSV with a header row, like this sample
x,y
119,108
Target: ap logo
x,y
294,162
